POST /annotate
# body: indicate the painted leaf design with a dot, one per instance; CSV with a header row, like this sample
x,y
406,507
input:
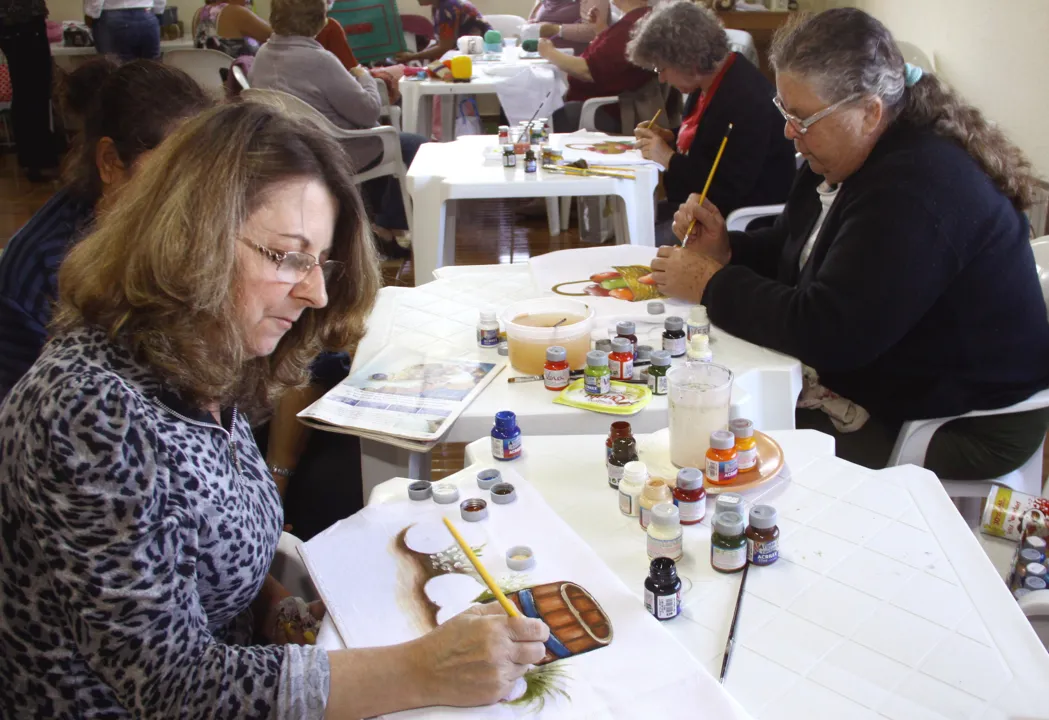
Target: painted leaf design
x,y
633,274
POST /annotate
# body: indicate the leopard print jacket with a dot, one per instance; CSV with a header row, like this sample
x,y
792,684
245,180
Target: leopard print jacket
x,y
134,534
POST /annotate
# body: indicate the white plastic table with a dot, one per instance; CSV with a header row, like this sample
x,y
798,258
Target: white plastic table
x,y
882,604
441,317
442,174
67,58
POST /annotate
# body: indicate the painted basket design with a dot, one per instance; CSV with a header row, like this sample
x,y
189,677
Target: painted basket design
x,y
577,622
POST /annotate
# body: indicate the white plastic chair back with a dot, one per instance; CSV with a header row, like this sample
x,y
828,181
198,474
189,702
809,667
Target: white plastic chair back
x,y
204,66
1041,258
240,77
742,42
507,25
915,55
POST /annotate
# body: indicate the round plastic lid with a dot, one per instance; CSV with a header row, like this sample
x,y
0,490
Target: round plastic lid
x,y
635,471
489,315
625,327
487,478
656,490
504,348
1034,543
674,323
621,345
644,352
520,557
445,493
1036,570
596,358
763,517
729,523
556,353
698,316
665,514
1030,555
722,440
729,502
700,343
656,308
1034,583
420,490
503,493
742,428
604,345
689,478
473,509
661,358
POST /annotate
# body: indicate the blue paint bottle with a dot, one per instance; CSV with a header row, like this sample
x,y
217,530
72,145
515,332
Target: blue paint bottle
x,y
506,436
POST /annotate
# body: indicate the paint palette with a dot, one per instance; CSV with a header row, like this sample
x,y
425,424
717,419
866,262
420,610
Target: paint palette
x,y
654,451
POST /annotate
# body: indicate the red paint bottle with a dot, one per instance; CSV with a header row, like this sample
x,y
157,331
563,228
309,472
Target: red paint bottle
x,y
556,373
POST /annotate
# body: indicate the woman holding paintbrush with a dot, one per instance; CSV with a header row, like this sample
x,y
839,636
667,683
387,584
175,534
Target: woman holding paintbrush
x,y
900,272
686,44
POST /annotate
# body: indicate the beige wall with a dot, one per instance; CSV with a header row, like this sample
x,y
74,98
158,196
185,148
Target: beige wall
x,y
995,53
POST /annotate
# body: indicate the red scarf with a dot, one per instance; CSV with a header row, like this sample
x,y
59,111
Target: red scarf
x,y
687,133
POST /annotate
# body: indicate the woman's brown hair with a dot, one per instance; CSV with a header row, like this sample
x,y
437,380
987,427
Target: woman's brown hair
x,y
845,51
135,105
303,18
159,273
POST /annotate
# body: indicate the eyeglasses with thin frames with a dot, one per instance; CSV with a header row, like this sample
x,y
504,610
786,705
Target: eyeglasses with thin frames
x,y
294,267
802,126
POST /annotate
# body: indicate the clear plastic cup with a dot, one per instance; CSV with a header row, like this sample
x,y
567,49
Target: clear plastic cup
x,y
700,395
528,342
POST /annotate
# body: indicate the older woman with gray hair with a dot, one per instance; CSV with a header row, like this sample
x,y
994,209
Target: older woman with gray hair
x,y
686,44
901,270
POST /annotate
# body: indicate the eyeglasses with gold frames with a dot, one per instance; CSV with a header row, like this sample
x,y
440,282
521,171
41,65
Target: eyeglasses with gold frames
x,y
294,267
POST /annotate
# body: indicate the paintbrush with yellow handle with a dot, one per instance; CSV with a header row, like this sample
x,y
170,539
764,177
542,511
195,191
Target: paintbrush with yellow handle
x,y
584,172
510,608
710,178
654,118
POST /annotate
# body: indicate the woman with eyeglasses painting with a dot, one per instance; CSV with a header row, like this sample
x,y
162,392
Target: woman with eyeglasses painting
x,y
139,518
900,273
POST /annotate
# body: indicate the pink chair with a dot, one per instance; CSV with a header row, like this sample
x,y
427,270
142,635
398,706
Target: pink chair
x,y
416,26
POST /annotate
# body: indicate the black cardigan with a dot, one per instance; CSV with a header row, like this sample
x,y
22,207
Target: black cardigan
x,y
920,298
758,165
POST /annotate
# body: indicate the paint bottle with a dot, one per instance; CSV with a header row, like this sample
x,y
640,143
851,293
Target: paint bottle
x,y
729,502
728,546
657,372
621,359
509,158
634,476
597,379
504,135
721,458
762,535
698,322
624,450
488,330
603,345
663,589
699,349
618,429
746,446
690,496
625,329
664,532
674,336
556,373
530,160
655,492
506,436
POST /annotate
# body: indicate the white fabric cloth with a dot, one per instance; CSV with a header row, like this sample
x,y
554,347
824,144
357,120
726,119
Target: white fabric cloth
x,y
533,85
827,196
94,8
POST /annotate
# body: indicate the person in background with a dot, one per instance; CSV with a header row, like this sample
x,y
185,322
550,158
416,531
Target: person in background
x,y
332,38
294,62
602,70
570,23
900,272
452,19
23,41
139,519
687,46
231,27
125,112
129,29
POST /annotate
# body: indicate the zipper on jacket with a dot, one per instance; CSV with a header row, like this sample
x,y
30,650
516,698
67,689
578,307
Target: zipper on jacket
x,y
211,426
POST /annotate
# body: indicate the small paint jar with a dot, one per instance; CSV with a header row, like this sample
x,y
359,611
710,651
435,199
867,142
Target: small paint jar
x,y
698,322
1034,583
503,493
603,345
509,156
690,496
730,502
674,336
473,510
762,535
664,532
618,429
444,493
556,373
635,474
663,589
506,436
420,490
1025,558
488,330
721,458
520,558
655,492
504,135
699,349
624,450
597,378
746,445
529,160
644,354
655,307
487,478
1033,542
621,359
626,329
728,546
657,372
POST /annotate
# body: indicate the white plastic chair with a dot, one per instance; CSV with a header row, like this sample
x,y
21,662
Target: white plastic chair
x,y
742,42
913,440
240,77
289,569
391,162
389,111
204,66
507,25
1035,606
740,218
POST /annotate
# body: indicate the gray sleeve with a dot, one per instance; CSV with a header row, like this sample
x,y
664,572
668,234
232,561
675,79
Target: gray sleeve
x,y
355,99
305,678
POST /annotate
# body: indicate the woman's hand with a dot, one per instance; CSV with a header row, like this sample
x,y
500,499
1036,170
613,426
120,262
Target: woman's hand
x,y
600,22
654,145
476,657
683,273
549,30
709,235
404,56
546,48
